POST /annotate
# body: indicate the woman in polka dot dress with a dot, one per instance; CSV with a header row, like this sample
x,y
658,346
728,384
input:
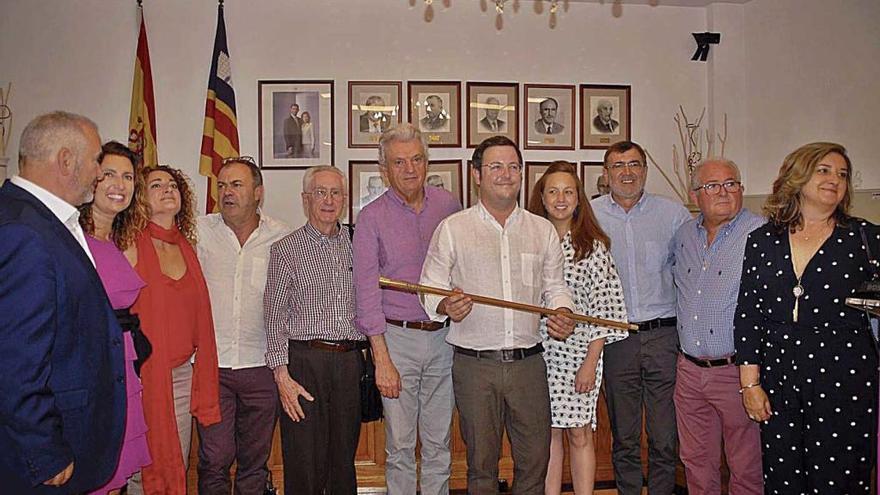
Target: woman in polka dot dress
x,y
808,367
574,366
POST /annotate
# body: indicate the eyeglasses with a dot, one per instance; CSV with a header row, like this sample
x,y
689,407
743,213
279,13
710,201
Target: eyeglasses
x,y
621,165
730,186
497,167
239,159
322,194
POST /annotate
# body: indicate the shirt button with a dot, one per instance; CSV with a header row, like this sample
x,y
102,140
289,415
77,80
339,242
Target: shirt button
x,y
120,379
695,317
699,291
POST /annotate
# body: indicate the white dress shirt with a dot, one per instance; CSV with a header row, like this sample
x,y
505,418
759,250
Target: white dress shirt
x,y
64,211
236,278
521,262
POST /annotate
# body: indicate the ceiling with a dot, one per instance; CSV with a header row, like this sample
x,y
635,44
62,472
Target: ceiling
x,y
667,3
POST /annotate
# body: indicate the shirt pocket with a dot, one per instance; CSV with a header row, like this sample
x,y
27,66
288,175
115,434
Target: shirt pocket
x,y
531,269
259,267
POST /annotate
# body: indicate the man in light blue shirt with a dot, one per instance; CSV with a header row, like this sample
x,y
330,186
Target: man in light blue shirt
x,y
708,265
641,368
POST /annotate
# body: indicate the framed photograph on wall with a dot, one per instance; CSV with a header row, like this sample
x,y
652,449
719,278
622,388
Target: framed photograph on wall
x,y
374,107
533,172
592,175
605,115
434,107
445,174
365,183
548,123
492,110
295,123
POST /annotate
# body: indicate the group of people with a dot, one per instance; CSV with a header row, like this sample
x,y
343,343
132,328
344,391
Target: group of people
x,y
299,134
124,316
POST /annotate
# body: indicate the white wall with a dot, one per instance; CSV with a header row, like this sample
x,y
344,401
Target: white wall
x,y
78,55
812,74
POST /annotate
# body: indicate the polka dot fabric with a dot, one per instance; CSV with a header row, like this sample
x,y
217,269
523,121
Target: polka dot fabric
x,y
596,290
820,373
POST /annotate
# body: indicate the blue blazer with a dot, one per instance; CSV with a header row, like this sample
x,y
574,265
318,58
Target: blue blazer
x,y
62,381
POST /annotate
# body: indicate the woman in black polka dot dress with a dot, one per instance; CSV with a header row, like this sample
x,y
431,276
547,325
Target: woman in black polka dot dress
x,y
808,366
574,366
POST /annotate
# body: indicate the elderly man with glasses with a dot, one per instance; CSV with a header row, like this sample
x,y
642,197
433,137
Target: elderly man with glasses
x,y
233,248
640,370
708,406
498,249
314,347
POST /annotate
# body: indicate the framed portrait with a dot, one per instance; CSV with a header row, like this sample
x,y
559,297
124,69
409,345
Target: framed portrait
x,y
549,118
365,183
592,175
374,108
434,107
445,174
295,123
472,187
605,115
492,110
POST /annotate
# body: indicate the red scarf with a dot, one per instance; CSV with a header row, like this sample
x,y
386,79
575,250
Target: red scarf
x,y
167,474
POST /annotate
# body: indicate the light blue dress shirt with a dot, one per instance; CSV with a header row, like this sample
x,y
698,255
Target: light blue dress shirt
x,y
707,283
641,245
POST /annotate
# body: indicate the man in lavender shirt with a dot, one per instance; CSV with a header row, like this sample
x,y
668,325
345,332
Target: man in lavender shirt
x,y
413,360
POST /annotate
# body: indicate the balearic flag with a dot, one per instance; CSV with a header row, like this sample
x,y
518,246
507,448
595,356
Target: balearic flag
x,y
220,132
142,119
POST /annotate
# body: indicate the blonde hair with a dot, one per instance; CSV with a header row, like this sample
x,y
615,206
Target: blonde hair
x,y
783,206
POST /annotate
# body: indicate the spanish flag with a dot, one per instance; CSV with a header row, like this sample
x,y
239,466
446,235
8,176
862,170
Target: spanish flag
x,y
220,132
142,119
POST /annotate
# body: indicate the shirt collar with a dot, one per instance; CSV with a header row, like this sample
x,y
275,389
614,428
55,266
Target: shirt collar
x,y
724,228
398,199
485,215
64,211
319,237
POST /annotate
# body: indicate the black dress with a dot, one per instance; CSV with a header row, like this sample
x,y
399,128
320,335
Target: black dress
x,y
820,373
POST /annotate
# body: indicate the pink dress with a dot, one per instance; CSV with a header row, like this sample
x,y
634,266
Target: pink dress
x,y
123,285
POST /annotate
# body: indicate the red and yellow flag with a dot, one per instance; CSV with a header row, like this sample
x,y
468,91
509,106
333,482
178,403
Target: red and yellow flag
x,y
142,119
220,132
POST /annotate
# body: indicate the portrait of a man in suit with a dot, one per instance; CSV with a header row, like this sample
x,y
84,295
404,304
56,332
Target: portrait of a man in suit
x,y
436,118
374,120
490,123
547,123
375,188
62,388
602,122
293,133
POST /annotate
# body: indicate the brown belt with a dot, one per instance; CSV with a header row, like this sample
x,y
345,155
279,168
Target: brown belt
x,y
503,355
428,326
710,363
330,345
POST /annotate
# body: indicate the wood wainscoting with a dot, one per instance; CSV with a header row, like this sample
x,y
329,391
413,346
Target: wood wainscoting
x,y
371,457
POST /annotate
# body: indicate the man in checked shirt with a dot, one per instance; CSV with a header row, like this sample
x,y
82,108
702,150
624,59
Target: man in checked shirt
x,y
314,349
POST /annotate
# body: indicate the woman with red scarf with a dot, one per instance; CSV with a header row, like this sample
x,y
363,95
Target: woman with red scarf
x,y
175,313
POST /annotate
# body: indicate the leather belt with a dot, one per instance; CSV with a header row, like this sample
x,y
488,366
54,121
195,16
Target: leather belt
x,y
330,345
644,326
710,363
428,326
503,355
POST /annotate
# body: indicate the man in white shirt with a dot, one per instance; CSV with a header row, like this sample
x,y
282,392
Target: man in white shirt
x,y
233,249
62,379
500,250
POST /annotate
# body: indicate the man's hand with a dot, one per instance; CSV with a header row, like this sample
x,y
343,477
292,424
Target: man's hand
x,y
560,327
62,477
387,377
290,391
456,306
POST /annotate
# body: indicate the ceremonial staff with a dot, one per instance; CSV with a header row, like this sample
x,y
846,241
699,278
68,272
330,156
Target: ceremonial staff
x,y
501,303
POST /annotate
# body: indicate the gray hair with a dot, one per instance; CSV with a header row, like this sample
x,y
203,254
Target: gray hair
x,y
47,133
695,175
403,133
309,177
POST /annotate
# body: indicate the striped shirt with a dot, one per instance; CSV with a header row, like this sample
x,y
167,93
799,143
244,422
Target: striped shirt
x,y
707,283
309,292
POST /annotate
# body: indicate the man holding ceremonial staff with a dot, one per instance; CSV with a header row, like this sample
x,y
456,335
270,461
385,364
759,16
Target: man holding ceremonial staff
x,y
499,250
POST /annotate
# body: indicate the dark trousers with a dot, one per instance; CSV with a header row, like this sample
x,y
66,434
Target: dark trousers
x,y
640,370
248,410
491,397
319,450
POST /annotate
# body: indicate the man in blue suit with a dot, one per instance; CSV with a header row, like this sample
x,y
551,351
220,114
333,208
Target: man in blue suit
x,y
62,385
